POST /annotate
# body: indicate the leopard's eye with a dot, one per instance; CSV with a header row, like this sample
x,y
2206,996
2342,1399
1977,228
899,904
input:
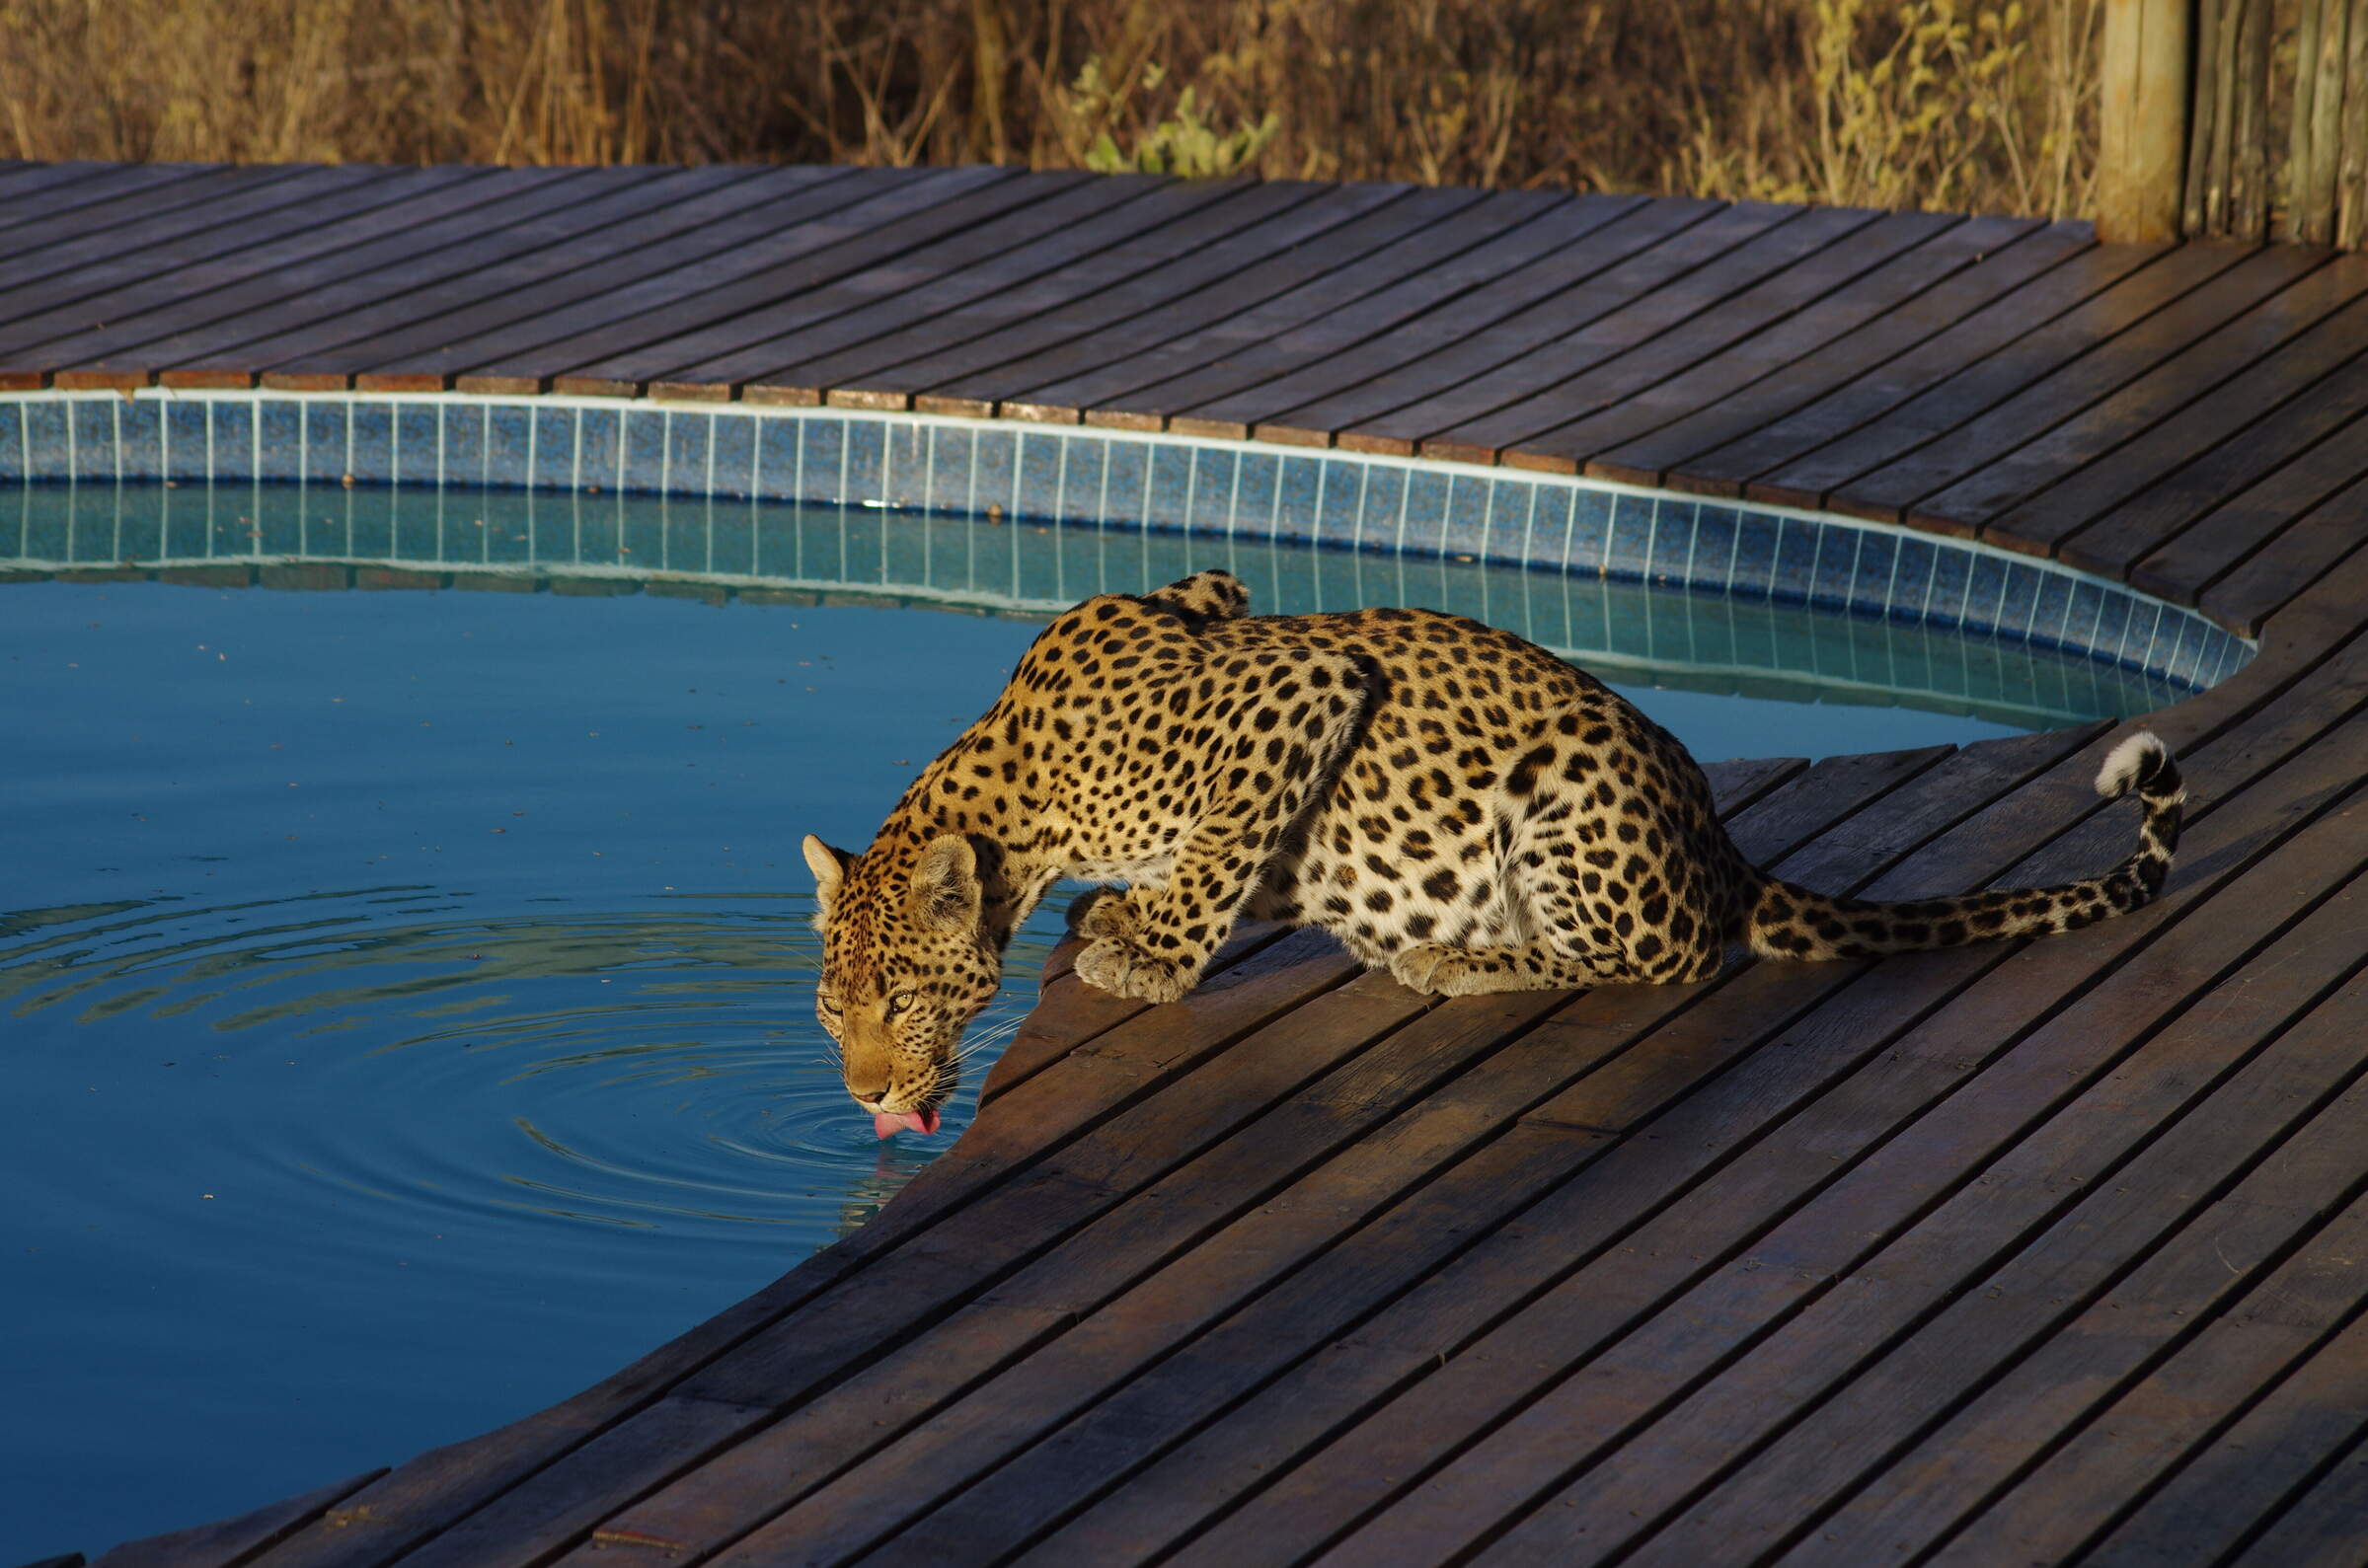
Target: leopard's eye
x,y
828,1006
899,1002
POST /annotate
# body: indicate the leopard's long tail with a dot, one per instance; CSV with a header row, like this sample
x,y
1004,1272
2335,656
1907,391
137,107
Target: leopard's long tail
x,y
1792,921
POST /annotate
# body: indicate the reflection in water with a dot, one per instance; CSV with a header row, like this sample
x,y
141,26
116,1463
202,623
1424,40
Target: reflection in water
x,y
568,1031
294,536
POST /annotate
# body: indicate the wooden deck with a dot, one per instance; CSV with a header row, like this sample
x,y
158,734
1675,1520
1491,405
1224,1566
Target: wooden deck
x,y
2008,1255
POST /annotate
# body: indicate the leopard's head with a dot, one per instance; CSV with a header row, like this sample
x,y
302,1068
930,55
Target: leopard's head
x,y
907,963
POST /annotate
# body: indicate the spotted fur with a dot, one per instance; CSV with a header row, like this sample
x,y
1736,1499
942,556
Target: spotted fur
x,y
1451,803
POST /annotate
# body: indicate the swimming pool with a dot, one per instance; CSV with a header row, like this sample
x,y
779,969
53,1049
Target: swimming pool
x,y
409,972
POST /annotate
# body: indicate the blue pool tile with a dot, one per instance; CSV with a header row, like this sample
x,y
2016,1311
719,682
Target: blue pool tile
x,y
551,449
1125,484
944,469
2081,617
599,464
13,459
458,439
370,438
866,452
1949,600
187,440
687,435
1755,554
1834,568
1171,487
2037,602
323,459
774,458
48,441
1627,543
1085,468
233,440
1210,493
1910,584
994,472
1716,528
92,441
1983,600
139,438
1462,516
1669,546
2111,640
1422,511
277,452
904,466
1381,505
510,446
418,443
732,458
645,438
1791,574
1040,458
1342,491
1587,542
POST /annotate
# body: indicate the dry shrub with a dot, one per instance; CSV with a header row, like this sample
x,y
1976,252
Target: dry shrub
x,y
1894,103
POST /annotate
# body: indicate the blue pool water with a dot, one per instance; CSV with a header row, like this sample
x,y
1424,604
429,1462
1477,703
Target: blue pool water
x,y
404,1010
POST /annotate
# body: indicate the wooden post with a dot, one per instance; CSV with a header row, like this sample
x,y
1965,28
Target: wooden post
x,y
2142,161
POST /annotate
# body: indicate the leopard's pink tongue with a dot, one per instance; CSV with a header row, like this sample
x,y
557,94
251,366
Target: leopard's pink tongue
x,y
888,1124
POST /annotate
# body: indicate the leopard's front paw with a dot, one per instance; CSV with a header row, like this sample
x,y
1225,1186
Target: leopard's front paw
x,y
1435,969
1116,965
1105,912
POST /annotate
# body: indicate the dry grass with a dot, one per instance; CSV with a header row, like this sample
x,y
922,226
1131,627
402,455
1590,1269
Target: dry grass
x,y
1891,103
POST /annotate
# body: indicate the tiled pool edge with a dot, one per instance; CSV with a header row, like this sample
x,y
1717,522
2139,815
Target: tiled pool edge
x,y
1092,475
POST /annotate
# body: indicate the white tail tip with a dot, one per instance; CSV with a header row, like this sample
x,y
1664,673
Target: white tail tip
x,y
2135,758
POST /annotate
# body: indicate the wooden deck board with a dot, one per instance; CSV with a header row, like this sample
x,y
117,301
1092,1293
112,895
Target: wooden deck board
x,y
1974,1257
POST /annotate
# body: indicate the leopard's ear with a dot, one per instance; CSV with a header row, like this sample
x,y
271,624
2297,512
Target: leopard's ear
x,y
828,866
946,892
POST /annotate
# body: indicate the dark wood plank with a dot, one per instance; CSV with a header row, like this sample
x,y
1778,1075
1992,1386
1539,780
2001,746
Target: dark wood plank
x,y
318,355
20,182
2320,1529
2296,1312
959,288
1618,308
2209,372
2302,553
1329,360
1549,425
1072,1012
2215,542
506,354
195,205
104,194
314,299
141,260
1913,1164
1930,298
618,355
2029,355
273,274
1440,251
227,1541
1128,297
698,219
2115,1278
1399,305
1344,247
2178,465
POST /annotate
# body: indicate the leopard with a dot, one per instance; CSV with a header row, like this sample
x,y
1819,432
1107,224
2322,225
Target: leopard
x,y
1453,803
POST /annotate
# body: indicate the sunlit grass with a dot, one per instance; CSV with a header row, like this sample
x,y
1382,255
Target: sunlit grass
x,y
1890,102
